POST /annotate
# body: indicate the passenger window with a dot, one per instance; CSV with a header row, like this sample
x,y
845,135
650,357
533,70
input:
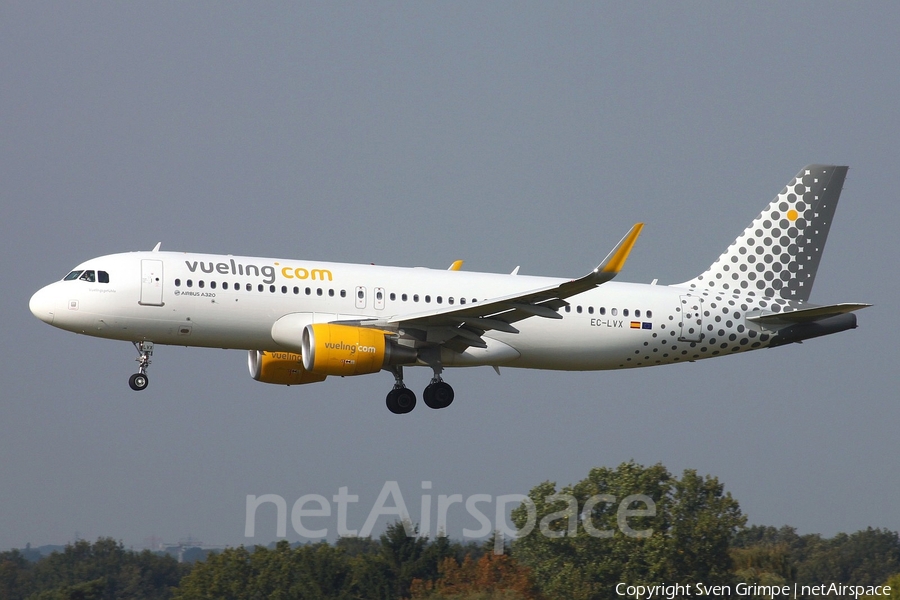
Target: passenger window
x,y
190,283
415,297
72,276
590,310
102,276
602,310
201,284
224,285
450,299
440,300
568,308
177,283
212,285
87,276
637,313
427,298
393,296
625,313
578,310
462,300
260,287
649,314
343,293
614,312
403,297
249,287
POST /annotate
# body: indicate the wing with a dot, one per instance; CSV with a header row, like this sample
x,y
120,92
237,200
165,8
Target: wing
x,y
462,326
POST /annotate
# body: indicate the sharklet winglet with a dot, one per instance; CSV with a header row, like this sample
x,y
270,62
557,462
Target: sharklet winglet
x,y
615,260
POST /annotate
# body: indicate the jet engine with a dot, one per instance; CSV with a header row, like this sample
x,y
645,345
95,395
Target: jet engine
x,y
330,349
285,368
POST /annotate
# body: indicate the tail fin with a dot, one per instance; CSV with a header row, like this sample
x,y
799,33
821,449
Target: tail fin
x,y
778,254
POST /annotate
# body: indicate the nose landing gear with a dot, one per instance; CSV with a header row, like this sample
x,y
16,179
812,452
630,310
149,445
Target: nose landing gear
x,y
139,380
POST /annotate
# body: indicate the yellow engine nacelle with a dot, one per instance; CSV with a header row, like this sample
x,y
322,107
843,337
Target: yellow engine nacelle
x,y
330,349
285,368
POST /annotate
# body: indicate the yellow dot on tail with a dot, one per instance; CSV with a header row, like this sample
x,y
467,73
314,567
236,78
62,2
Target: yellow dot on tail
x,y
792,215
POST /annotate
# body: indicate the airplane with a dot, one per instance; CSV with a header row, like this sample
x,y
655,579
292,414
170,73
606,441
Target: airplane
x,y
302,321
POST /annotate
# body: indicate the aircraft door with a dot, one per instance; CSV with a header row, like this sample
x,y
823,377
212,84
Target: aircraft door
x,y
151,283
379,298
691,319
360,297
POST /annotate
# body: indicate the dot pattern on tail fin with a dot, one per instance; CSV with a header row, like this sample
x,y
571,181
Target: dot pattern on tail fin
x,y
778,254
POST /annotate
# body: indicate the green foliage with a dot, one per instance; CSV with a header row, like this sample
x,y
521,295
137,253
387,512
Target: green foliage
x,y
352,568
594,536
764,564
686,538
103,570
312,571
866,557
88,590
894,583
15,575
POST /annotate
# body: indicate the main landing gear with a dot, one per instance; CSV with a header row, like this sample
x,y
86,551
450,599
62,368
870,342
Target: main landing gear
x,y
139,380
438,394
401,400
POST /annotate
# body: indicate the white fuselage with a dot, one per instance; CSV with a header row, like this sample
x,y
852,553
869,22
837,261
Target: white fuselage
x,y
302,321
233,302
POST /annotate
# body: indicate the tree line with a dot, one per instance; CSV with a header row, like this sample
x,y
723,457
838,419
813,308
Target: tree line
x,y
632,524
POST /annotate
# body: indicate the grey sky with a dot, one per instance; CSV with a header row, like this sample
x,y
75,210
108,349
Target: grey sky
x,y
417,134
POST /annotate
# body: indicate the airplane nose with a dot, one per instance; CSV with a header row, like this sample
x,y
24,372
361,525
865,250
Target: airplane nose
x,y
42,305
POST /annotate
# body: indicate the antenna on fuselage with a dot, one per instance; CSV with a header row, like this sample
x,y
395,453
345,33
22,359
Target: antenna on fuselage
x,y
156,247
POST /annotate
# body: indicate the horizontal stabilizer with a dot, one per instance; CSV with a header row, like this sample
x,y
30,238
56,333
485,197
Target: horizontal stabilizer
x,y
806,315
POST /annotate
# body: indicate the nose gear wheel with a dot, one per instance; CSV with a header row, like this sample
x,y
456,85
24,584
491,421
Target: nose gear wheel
x,y
139,380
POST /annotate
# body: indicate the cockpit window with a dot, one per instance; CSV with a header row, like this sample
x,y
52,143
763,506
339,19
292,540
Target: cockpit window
x,y
89,276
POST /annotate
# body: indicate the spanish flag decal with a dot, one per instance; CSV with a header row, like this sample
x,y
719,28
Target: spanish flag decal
x,y
635,324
